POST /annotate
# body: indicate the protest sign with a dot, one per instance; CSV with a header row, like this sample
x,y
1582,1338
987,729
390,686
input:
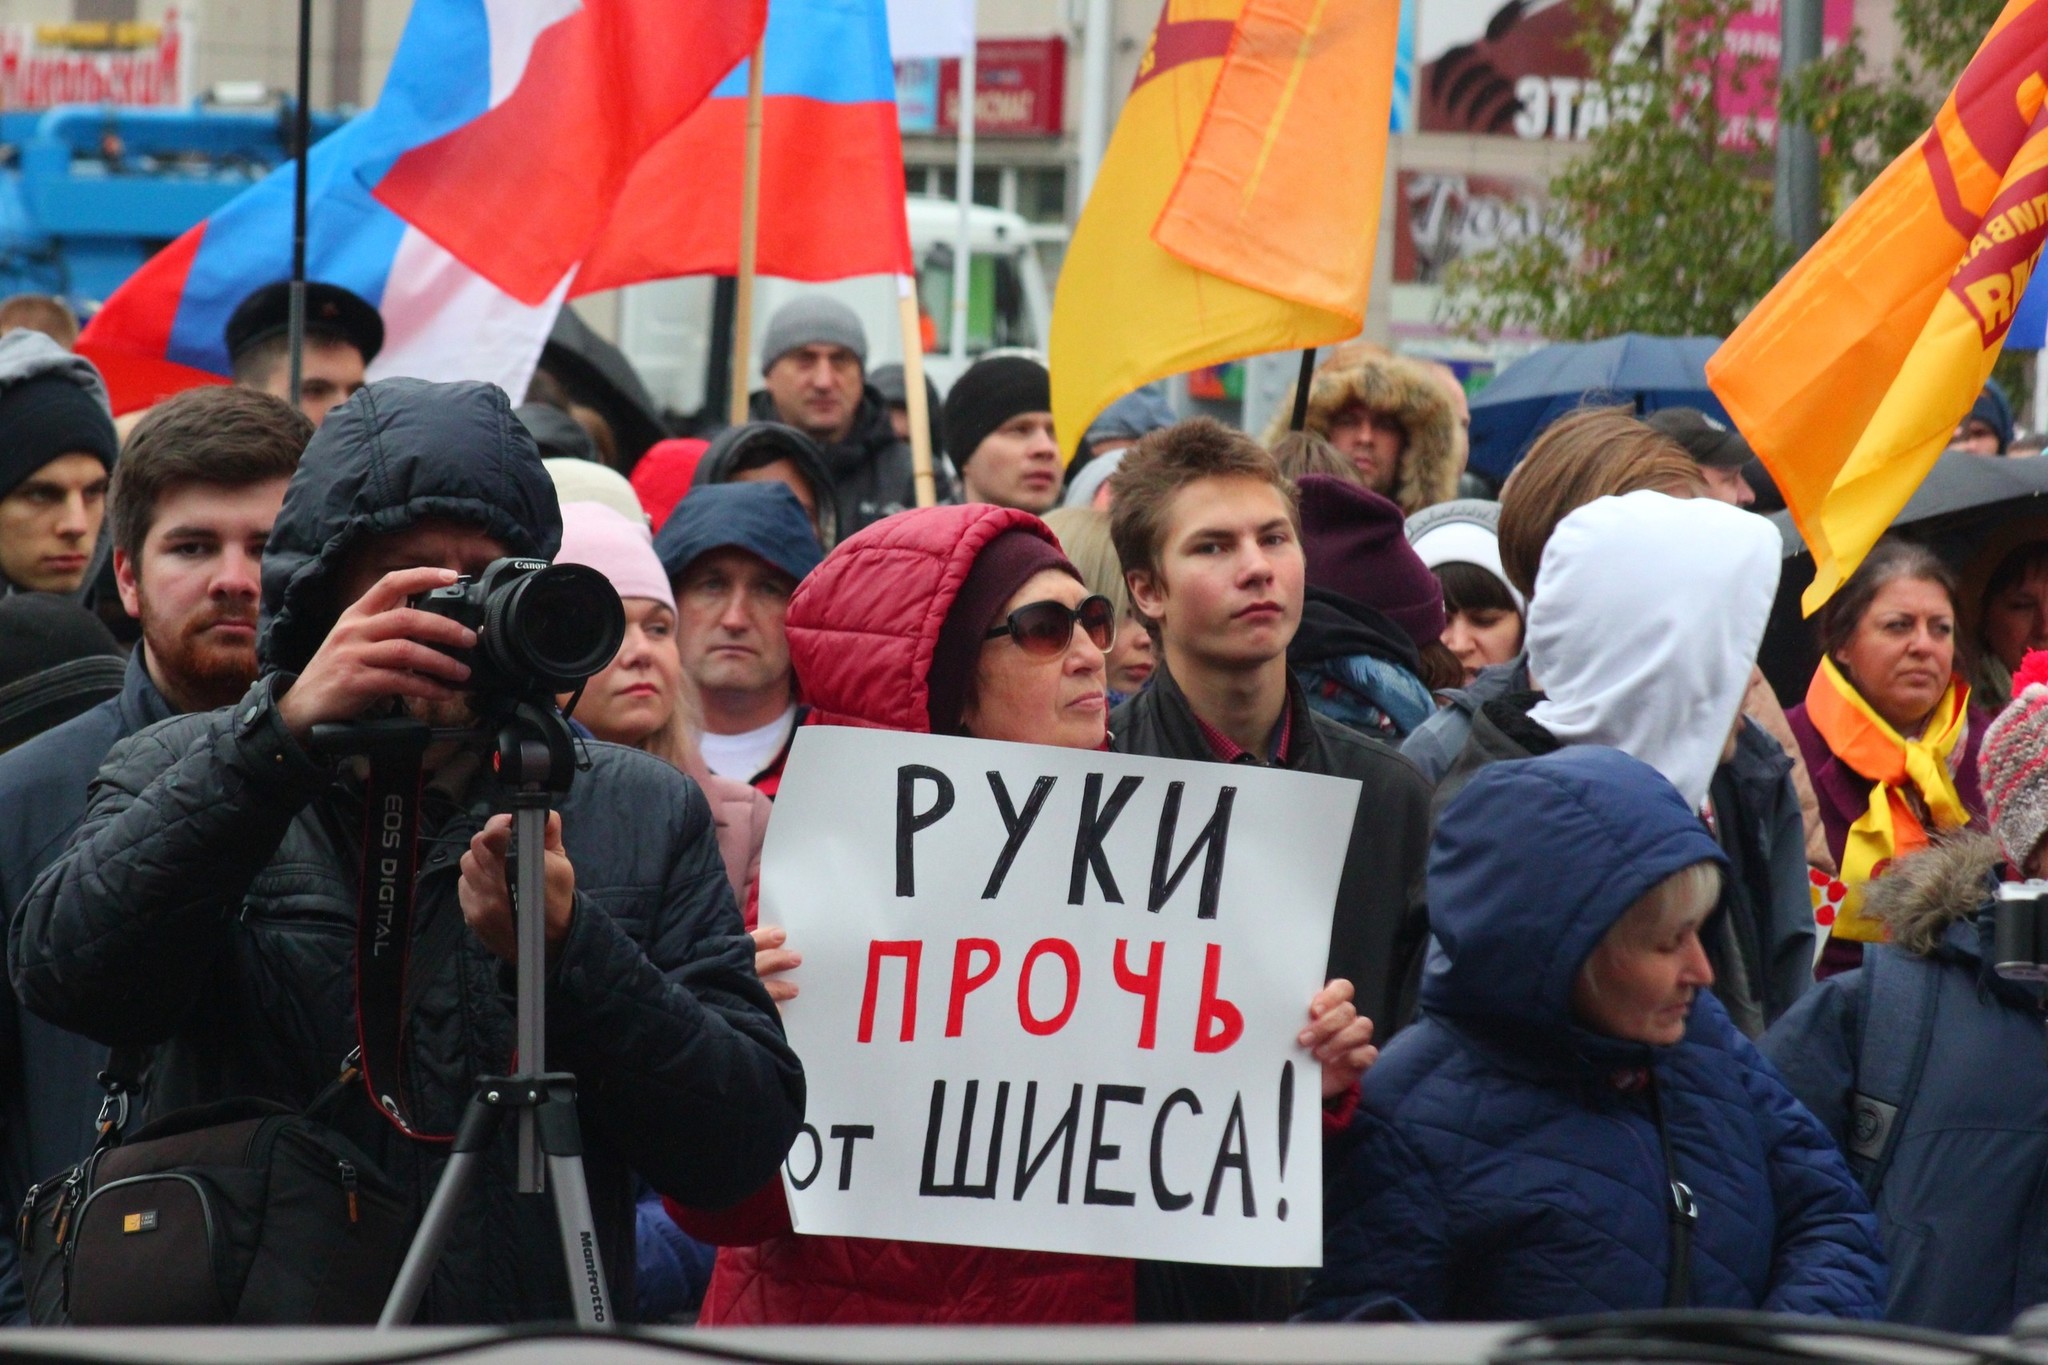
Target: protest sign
x,y
1050,997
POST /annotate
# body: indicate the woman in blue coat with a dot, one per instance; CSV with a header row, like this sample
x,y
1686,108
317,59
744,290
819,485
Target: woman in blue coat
x,y
1574,1126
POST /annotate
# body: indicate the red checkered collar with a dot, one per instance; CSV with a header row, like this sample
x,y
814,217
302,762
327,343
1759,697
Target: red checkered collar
x,y
1228,750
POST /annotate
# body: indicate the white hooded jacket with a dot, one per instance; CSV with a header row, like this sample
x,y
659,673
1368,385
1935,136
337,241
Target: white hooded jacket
x,y
1646,621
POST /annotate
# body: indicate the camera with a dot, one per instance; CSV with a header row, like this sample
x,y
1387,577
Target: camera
x,y
2019,930
541,628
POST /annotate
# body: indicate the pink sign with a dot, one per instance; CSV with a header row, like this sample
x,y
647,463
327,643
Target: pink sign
x,y
1747,91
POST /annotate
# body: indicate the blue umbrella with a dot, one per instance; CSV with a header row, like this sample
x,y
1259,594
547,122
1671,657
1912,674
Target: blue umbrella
x,y
1643,372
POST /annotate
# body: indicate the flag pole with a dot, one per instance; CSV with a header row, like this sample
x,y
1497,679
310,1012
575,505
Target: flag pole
x,y
914,395
963,186
750,232
1301,385
302,132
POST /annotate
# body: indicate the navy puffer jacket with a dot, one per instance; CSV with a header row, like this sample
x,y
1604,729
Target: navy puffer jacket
x,y
1507,1163
1962,1209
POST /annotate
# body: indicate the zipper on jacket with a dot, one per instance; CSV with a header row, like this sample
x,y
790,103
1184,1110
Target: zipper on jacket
x,y
348,1188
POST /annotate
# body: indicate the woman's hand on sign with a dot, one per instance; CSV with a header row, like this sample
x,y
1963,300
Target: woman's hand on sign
x,y
1340,1038
771,959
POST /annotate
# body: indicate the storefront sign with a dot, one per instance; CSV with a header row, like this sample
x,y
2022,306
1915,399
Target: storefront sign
x,y
1442,216
1519,68
129,64
1020,90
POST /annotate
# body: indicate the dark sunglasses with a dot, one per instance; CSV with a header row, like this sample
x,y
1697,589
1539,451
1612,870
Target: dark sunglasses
x,y
1045,629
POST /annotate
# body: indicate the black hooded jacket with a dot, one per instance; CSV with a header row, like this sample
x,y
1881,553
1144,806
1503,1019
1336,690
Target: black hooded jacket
x,y
871,473
207,907
752,444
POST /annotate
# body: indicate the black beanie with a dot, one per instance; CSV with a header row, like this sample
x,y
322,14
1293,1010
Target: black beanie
x,y
56,660
1004,565
989,394
48,416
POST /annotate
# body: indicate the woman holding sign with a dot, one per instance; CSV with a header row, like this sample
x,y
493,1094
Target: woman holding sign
x,y
1574,1125
955,620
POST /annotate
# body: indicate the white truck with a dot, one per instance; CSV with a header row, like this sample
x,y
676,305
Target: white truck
x,y
676,331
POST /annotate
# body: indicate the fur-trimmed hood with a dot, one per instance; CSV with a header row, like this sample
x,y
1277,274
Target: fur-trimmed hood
x,y
1417,399
1919,896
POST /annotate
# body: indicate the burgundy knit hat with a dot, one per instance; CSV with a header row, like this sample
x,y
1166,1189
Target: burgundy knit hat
x,y
1357,547
1004,565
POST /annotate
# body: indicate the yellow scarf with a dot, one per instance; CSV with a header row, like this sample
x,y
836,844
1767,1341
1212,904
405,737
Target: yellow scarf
x,y
1859,737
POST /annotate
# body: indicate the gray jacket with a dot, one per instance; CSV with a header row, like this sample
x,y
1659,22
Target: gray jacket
x,y
1434,745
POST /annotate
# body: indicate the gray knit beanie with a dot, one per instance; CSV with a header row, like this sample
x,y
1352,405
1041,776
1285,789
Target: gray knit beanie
x,y
2010,767
812,320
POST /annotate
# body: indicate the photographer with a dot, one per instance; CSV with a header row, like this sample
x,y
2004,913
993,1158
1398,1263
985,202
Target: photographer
x,y
1925,1062
208,907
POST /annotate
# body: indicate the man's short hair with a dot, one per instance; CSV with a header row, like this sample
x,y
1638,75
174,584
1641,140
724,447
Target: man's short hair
x,y
1587,454
1168,460
43,313
259,360
233,437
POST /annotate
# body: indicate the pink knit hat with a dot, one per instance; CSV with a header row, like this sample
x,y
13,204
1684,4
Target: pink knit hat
x,y
621,550
2013,762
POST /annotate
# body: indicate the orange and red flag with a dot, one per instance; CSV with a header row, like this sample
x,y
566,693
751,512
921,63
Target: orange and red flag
x,y
1849,378
1237,207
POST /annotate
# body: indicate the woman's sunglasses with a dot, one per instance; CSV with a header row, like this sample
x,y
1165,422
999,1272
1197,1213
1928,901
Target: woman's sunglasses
x,y
1045,629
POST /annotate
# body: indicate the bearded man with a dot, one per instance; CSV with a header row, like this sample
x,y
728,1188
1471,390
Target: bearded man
x,y
193,499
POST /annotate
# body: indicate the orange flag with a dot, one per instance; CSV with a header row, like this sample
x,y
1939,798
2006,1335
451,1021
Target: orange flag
x,y
1849,378
1237,207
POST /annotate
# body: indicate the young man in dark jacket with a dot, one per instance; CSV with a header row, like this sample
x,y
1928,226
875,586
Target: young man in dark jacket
x,y
1211,546
208,906
194,497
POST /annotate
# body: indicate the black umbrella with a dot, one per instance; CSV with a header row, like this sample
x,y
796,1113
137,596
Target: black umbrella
x,y
597,373
1972,510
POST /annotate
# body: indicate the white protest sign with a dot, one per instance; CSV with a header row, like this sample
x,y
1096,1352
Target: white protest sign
x,y
1050,997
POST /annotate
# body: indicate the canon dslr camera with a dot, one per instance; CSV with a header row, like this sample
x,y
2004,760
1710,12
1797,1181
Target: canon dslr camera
x,y
541,628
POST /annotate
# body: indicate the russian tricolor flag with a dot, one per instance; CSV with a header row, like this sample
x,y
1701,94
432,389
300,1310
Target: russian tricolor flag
x,y
831,164
526,150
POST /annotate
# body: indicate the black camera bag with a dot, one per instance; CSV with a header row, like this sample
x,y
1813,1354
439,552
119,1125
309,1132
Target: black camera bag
x,y
241,1212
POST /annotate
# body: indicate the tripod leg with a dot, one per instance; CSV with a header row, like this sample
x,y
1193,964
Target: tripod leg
x,y
561,1138
530,823
579,1242
425,1251
478,1130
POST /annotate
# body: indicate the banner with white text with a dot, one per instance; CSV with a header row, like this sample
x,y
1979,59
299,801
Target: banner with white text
x,y
1050,997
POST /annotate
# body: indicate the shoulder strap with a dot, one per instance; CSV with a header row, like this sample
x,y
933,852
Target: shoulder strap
x,y
1899,991
121,1079
1682,1213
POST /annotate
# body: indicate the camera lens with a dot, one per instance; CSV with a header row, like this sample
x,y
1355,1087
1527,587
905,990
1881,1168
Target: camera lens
x,y
558,625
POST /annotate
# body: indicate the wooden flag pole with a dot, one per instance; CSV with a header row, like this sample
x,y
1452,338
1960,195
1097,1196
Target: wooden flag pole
x,y
750,232
914,395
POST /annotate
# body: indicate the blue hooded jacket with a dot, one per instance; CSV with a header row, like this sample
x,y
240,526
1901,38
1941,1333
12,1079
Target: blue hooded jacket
x,y
1507,1162
1963,1209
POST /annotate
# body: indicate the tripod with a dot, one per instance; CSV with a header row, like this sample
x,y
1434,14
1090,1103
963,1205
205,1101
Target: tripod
x,y
535,757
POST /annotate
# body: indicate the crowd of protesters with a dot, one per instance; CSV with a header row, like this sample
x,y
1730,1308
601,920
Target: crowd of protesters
x,y
1641,990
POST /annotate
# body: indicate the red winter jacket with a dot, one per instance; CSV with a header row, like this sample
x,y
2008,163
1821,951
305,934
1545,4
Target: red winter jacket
x,y
862,628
